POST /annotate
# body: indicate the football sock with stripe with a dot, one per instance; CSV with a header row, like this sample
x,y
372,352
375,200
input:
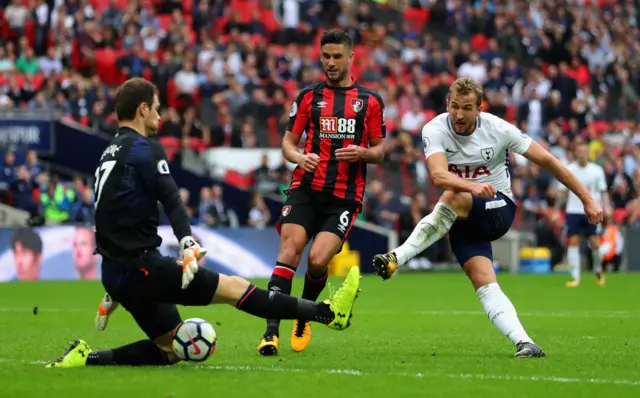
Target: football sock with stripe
x,y
502,313
314,284
274,305
281,281
140,353
428,231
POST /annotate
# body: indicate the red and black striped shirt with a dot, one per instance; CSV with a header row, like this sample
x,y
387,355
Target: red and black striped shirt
x,y
334,118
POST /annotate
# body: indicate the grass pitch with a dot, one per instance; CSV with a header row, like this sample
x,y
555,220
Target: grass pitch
x,y
416,335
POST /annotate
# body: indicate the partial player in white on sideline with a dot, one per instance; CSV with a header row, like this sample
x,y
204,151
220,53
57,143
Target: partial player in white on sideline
x,y
577,224
467,156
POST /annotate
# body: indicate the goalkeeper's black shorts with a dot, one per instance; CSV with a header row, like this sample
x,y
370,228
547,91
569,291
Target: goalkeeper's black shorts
x,y
150,288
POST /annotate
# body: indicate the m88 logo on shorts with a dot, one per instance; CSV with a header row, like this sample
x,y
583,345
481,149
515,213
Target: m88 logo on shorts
x,y
337,128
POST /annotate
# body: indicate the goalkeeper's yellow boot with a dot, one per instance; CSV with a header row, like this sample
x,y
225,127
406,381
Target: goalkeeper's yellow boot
x,y
341,303
300,335
75,356
105,309
268,346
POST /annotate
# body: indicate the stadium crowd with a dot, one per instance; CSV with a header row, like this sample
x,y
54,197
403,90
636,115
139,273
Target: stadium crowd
x,y
563,71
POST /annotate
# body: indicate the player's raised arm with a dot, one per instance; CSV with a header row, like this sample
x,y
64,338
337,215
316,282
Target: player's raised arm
x,y
524,145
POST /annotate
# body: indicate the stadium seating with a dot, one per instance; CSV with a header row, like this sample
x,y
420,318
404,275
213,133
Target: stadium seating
x,y
613,126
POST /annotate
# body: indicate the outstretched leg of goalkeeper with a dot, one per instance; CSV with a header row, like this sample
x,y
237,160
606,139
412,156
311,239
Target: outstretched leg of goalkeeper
x,y
208,287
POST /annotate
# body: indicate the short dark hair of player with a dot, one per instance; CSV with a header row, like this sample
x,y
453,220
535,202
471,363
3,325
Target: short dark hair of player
x,y
464,86
28,239
131,94
336,36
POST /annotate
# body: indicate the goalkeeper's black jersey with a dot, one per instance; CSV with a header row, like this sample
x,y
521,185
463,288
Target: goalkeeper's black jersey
x,y
132,177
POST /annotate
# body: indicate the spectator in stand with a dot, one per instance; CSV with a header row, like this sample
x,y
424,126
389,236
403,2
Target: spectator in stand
x,y
79,187
32,163
259,215
28,63
203,207
474,68
133,64
193,131
387,211
621,194
413,120
8,168
22,187
80,104
56,202
16,15
171,125
51,87
99,120
263,177
257,107
245,137
563,72
6,63
217,214
61,105
83,211
184,197
221,135
187,82
41,13
39,102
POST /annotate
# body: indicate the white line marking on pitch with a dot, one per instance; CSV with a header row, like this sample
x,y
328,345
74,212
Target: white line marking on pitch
x,y
556,314
355,372
561,314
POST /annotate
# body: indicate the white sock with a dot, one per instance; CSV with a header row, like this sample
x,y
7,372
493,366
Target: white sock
x,y
428,231
573,258
597,260
502,313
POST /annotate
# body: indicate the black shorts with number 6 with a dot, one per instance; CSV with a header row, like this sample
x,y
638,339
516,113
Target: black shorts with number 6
x,y
319,211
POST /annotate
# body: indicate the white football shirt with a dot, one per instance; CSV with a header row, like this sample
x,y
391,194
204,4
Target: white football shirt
x,y
593,178
481,157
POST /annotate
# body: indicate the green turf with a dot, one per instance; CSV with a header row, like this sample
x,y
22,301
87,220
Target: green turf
x,y
421,335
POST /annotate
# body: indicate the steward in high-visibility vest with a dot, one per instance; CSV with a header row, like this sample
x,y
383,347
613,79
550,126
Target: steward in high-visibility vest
x,y
56,205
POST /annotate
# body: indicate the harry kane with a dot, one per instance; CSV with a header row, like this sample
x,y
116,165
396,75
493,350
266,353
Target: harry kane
x,y
467,154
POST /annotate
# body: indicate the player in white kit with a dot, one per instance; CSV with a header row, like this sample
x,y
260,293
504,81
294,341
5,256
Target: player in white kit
x,y
577,225
467,157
